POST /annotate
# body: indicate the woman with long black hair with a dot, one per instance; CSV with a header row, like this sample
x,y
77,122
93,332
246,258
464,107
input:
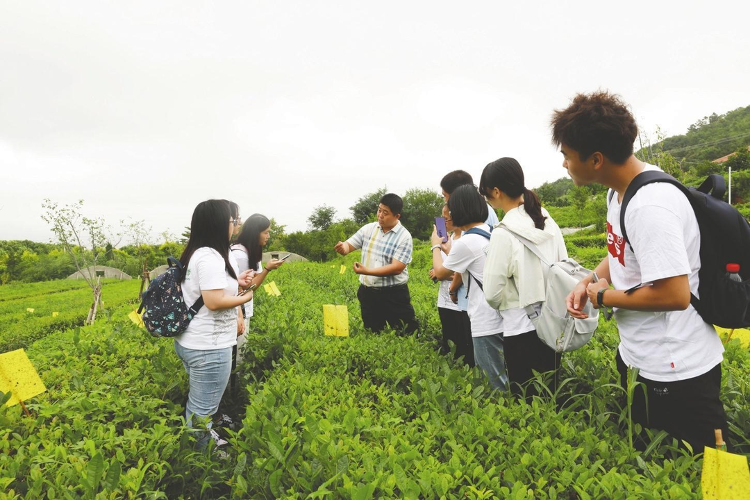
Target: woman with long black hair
x,y
248,251
513,275
205,347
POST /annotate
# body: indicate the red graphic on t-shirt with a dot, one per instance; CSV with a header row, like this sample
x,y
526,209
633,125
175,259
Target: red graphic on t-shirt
x,y
615,245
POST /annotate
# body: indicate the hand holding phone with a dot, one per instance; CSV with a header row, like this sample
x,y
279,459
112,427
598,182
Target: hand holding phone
x,y
286,256
252,287
441,229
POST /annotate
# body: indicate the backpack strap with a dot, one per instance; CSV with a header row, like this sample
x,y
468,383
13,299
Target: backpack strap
x,y
528,244
173,262
714,186
480,232
531,311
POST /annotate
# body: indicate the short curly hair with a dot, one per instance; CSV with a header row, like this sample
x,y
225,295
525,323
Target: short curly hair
x,y
599,121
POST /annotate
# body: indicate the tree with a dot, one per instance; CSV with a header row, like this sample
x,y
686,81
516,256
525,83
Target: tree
x,y
277,236
579,197
366,208
739,160
421,206
322,217
72,228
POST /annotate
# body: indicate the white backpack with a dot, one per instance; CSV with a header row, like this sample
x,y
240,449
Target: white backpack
x,y
554,325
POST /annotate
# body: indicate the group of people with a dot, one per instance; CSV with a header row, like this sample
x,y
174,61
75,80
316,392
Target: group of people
x,y
489,278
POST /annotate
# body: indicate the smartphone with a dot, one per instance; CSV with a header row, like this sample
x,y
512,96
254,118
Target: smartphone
x,y
252,287
441,230
286,256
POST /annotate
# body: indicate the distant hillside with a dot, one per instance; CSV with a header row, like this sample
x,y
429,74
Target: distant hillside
x,y
709,138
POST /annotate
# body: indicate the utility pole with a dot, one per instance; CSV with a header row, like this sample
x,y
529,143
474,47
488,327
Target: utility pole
x,y
729,197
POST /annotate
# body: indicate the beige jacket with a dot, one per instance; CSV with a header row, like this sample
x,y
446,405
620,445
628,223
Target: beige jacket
x,y
512,273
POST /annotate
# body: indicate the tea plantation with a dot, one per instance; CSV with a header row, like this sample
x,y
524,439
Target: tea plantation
x,y
366,416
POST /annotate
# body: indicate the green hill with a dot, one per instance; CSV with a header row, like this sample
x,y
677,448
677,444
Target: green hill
x,y
709,138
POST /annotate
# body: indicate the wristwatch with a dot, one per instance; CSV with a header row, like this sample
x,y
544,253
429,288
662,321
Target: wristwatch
x,y
600,297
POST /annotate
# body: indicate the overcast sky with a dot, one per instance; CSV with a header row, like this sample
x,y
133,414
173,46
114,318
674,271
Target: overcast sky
x,y
144,109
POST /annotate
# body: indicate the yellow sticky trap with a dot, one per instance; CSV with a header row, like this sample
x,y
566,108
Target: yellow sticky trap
x,y
335,320
267,288
343,268
275,289
136,318
55,314
18,375
724,475
742,334
30,309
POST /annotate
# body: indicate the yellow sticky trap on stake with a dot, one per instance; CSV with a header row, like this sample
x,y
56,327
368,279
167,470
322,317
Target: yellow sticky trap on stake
x,y
335,320
267,288
275,289
136,318
18,375
343,269
30,309
55,314
725,475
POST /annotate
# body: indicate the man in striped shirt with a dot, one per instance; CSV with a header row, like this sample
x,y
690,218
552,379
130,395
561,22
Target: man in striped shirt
x,y
386,251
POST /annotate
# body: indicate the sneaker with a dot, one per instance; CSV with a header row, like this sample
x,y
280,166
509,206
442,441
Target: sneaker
x,y
223,420
217,439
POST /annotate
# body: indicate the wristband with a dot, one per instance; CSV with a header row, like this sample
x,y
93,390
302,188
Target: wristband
x,y
433,247
600,297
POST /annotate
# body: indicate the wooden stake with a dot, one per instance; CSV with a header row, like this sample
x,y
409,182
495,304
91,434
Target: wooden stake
x,y
26,410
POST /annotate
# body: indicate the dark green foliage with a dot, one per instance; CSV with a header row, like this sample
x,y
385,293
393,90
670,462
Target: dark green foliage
x,y
369,416
367,206
711,137
421,206
322,217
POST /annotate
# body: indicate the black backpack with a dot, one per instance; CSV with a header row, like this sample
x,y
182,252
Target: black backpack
x,y
725,238
166,314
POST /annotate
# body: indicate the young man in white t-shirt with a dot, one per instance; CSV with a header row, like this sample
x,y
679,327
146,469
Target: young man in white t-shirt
x,y
677,354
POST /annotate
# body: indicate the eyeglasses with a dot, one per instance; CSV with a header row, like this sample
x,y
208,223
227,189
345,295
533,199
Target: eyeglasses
x,y
236,221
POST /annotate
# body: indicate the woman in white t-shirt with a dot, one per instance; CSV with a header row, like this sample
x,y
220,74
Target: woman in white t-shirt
x,y
467,256
456,326
513,275
205,347
255,233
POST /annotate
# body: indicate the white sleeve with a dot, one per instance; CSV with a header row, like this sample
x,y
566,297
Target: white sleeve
x,y
460,257
212,274
242,259
656,236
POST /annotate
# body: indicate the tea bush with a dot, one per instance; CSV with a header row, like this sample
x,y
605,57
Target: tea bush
x,y
362,417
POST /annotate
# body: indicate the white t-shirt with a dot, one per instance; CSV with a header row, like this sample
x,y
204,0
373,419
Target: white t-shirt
x,y
241,255
444,298
468,256
209,329
663,231
515,321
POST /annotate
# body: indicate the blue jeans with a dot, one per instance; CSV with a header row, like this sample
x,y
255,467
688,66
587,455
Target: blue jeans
x,y
490,357
208,372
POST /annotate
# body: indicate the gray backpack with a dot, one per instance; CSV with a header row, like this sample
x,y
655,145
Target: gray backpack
x,y
554,325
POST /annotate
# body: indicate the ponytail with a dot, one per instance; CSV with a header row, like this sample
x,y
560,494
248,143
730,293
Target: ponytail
x,y
533,208
506,174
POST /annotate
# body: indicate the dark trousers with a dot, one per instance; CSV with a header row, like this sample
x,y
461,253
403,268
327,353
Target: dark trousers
x,y
457,328
391,305
687,409
525,353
